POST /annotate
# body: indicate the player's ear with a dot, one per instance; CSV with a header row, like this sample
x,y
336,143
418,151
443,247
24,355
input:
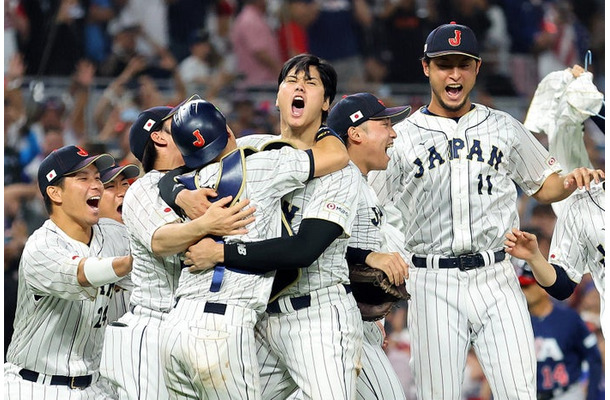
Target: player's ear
x,y
158,138
54,193
426,67
326,104
354,134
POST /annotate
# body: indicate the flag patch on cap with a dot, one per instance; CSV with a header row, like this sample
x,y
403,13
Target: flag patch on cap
x,y
149,124
51,175
356,116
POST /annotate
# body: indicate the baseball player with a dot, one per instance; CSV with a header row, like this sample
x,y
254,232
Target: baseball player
x,y
130,358
577,246
116,181
563,344
451,180
66,279
225,303
366,126
317,313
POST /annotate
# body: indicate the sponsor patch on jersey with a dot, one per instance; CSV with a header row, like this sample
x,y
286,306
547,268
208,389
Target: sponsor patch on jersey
x,y
336,208
356,116
51,175
149,124
551,161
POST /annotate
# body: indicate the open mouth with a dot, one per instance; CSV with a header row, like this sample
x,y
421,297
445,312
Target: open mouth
x,y
119,209
298,106
390,145
94,202
453,90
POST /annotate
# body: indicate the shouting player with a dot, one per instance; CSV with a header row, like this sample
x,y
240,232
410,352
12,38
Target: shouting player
x,y
452,177
66,279
226,302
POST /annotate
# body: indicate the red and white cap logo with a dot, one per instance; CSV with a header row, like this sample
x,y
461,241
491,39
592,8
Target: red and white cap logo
x,y
149,124
356,116
51,175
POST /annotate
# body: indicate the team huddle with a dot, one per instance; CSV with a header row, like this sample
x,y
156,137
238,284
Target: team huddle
x,y
224,270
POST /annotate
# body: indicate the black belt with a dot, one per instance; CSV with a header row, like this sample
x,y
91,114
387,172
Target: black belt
x,y
73,382
298,303
464,262
210,307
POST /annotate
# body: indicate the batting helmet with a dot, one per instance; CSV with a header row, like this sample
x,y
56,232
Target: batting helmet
x,y
200,132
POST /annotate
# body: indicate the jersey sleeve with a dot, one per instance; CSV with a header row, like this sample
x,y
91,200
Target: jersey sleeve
x,y
50,267
144,211
567,249
530,162
336,198
279,172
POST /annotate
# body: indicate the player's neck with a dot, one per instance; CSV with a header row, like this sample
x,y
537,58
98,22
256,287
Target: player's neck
x,y
300,139
77,230
541,308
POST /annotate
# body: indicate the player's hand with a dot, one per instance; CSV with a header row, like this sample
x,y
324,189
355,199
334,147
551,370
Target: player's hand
x,y
582,177
204,255
392,264
220,220
521,244
195,202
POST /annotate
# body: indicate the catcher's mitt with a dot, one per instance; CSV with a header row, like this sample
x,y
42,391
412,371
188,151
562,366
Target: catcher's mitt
x,y
374,292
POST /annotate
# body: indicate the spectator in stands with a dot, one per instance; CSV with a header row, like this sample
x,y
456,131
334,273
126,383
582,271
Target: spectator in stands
x,y
255,45
97,39
184,18
335,35
203,71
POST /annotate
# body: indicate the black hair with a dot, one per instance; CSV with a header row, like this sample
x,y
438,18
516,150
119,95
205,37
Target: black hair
x,y
328,75
149,156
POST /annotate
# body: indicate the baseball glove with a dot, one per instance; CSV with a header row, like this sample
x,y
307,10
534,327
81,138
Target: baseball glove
x,y
374,292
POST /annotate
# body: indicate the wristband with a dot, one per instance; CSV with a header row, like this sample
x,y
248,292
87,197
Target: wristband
x,y
99,271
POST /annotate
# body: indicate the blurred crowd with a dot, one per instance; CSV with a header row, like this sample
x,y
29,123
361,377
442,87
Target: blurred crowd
x,y
117,54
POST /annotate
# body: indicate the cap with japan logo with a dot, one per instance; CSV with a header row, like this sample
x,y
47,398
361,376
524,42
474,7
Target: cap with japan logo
x,y
452,38
68,160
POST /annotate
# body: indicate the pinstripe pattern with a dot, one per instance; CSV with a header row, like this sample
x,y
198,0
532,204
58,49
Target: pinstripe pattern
x,y
333,197
130,358
59,325
446,213
377,380
579,237
319,347
207,356
212,356
453,185
463,310
155,278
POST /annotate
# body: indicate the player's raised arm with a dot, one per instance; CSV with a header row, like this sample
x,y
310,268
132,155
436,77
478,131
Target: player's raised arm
x,y
101,271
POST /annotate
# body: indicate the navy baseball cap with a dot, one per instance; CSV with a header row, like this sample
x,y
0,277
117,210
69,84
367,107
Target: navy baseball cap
x,y
66,161
148,121
129,171
452,38
357,108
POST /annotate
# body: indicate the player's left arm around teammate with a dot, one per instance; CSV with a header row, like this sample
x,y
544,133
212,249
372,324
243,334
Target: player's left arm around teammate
x,y
558,187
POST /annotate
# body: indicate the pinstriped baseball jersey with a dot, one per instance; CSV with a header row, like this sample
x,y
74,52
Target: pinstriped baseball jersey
x,y
366,231
269,175
333,197
59,325
155,278
579,237
454,180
